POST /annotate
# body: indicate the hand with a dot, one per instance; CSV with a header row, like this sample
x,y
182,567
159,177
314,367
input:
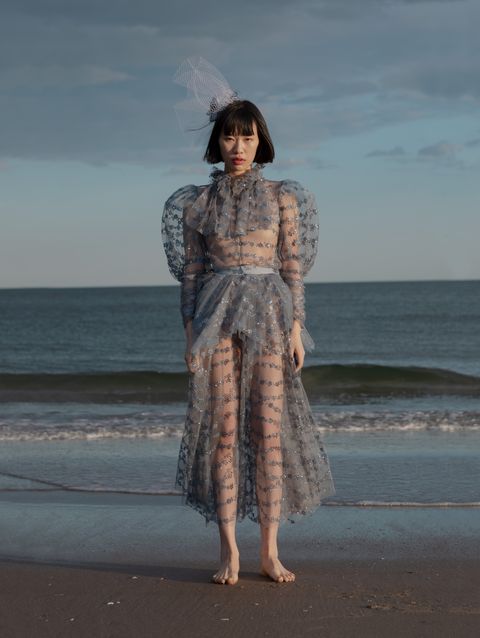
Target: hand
x,y
296,347
191,360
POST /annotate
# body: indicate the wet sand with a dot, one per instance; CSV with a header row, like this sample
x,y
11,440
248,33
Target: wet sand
x,y
362,598
115,566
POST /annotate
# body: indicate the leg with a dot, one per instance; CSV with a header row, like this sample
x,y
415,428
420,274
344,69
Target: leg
x,y
225,403
267,406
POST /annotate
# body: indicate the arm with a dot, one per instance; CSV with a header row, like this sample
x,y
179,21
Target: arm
x,y
184,249
194,265
291,272
289,253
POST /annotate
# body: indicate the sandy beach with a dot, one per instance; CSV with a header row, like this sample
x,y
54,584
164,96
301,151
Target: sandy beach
x,y
77,564
334,598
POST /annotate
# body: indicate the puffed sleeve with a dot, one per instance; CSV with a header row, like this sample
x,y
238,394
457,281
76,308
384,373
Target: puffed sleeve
x,y
298,240
184,247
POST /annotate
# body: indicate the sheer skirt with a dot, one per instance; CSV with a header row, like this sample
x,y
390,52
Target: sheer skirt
x,y
250,446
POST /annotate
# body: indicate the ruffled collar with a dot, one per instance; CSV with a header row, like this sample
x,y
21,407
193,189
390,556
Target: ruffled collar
x,y
232,205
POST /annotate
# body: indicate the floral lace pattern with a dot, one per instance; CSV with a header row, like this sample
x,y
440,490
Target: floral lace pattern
x,y
240,247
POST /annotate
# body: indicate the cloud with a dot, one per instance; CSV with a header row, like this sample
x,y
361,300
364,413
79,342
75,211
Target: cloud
x,y
59,76
92,81
396,151
440,149
442,154
342,10
473,143
330,89
455,79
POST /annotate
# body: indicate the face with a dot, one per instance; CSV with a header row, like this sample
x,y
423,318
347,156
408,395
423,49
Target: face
x,y
238,151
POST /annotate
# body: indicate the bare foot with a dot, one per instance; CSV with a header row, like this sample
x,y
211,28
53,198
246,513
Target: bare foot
x,y
228,572
274,569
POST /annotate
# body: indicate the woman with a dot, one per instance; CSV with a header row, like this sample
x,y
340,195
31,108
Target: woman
x,y
240,247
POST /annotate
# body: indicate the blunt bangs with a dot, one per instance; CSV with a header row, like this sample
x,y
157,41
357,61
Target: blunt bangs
x,y
238,122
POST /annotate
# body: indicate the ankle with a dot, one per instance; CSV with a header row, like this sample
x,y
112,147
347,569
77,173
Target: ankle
x,y
269,553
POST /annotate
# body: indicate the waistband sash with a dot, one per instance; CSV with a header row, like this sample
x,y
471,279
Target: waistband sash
x,y
245,269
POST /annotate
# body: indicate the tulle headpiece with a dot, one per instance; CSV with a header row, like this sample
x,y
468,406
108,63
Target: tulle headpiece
x,y
209,93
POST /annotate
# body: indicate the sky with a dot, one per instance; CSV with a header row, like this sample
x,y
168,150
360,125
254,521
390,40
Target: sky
x,y
373,105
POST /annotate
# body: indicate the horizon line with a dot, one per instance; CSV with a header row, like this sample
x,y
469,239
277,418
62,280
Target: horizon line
x,y
359,281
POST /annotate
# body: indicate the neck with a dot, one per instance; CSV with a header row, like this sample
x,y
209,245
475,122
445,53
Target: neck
x,y
236,172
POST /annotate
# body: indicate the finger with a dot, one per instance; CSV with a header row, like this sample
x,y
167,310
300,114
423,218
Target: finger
x,y
189,361
294,363
300,359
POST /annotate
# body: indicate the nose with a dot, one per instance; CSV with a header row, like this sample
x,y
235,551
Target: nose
x,y
238,146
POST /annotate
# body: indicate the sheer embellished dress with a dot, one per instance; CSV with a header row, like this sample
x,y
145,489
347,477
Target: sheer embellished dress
x,y
240,246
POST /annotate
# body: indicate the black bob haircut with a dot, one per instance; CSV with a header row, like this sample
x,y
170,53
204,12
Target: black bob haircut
x,y
237,118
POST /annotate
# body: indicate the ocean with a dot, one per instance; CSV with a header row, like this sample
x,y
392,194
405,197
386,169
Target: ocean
x,y
93,389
